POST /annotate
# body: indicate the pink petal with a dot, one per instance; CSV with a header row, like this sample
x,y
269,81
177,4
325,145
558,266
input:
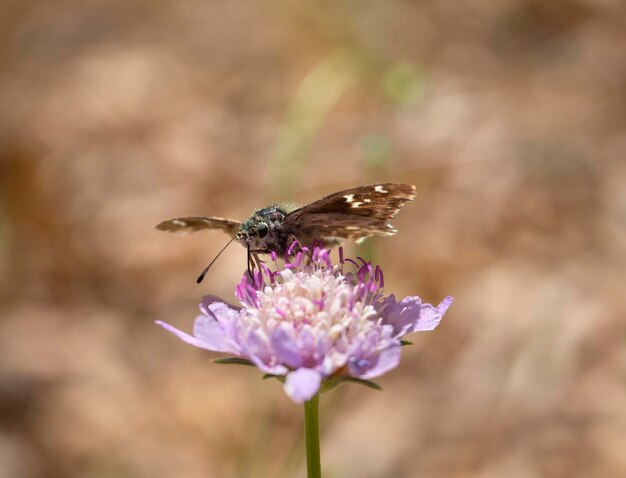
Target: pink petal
x,y
212,340
387,360
430,316
258,351
211,333
285,348
226,315
302,384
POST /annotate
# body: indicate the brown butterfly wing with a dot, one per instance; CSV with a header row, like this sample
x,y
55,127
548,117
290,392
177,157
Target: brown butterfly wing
x,y
351,214
189,224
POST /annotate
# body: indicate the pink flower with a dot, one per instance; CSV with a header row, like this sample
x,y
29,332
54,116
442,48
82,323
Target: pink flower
x,y
310,322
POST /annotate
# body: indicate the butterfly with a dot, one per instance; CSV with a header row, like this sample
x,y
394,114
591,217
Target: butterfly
x,y
352,214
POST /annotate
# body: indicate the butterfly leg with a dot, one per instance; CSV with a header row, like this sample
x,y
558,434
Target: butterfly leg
x,y
250,265
257,260
254,262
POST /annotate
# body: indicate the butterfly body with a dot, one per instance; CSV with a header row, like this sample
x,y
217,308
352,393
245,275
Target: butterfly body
x,y
352,214
264,231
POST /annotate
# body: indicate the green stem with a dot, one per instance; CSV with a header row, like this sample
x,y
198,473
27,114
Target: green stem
x,y
312,434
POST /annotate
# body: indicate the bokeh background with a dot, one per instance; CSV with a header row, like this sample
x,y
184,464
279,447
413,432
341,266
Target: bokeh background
x,y
508,115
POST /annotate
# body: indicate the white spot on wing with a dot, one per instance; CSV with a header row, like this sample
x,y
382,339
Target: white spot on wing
x,y
367,200
356,204
380,189
178,222
349,197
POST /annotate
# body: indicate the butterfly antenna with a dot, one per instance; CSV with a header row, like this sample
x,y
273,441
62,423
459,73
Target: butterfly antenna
x,y
201,276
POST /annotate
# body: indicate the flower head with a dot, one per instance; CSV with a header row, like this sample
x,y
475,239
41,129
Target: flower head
x,y
309,321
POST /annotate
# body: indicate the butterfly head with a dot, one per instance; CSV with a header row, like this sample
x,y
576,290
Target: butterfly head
x,y
262,231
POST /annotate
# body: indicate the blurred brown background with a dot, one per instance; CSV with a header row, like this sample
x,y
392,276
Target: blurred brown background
x,y
508,115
